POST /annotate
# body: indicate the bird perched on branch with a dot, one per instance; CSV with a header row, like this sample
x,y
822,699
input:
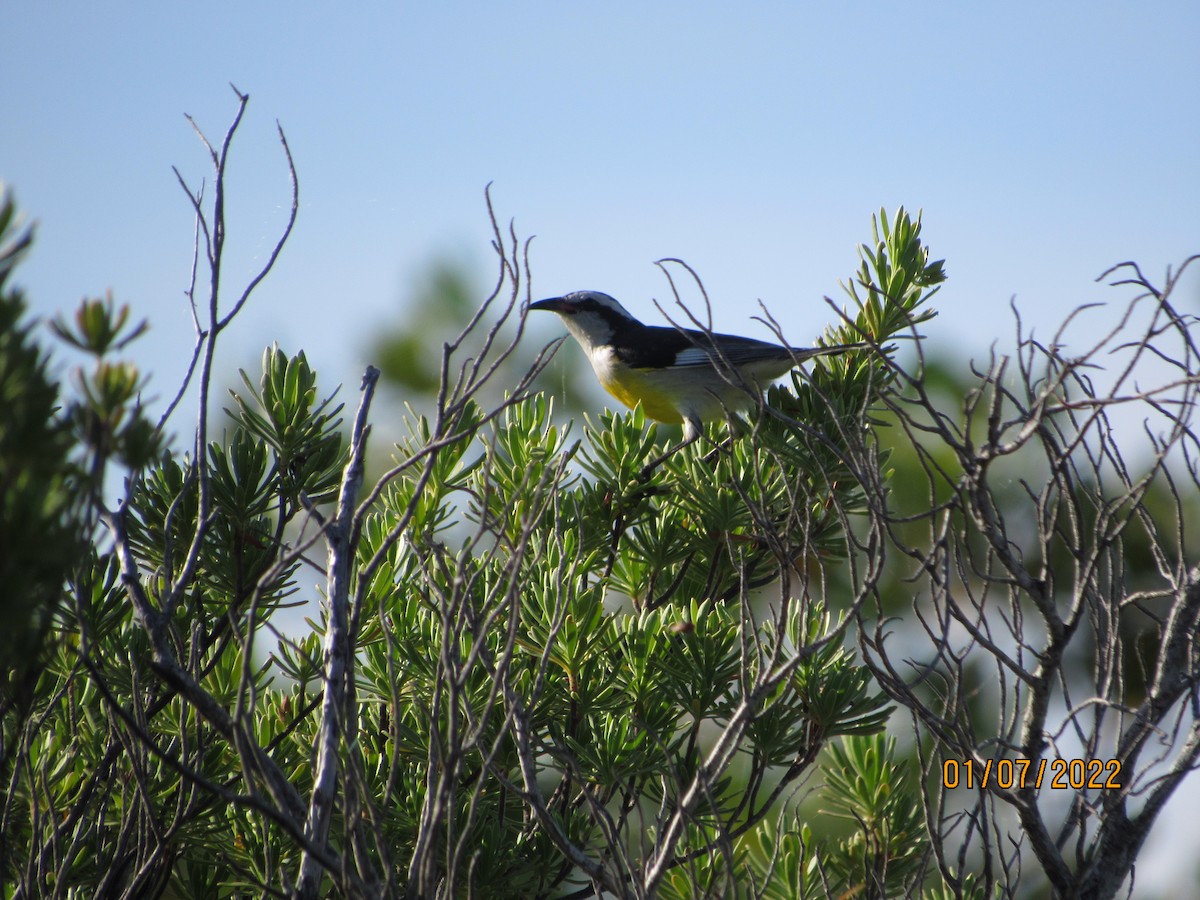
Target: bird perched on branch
x,y
678,375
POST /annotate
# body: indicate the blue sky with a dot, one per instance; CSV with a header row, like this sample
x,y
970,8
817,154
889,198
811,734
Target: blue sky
x,y
1044,143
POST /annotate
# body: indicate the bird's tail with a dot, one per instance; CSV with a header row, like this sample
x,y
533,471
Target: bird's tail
x,y
803,353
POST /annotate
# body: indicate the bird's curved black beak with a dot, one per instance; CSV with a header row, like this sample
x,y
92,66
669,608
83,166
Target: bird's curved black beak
x,y
554,304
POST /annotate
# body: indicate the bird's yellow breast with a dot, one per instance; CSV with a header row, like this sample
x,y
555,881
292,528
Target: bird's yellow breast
x,y
631,387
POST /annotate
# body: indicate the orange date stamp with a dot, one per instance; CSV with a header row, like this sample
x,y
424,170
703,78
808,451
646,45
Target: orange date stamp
x,y
1018,774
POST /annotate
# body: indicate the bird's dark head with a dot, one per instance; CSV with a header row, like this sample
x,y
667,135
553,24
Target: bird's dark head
x,y
579,302
591,317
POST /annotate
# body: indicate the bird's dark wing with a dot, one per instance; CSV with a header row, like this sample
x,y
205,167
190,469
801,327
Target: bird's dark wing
x,y
740,351
653,347
656,347
734,350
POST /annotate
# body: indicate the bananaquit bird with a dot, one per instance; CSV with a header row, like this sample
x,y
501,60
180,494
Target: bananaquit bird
x,y
678,375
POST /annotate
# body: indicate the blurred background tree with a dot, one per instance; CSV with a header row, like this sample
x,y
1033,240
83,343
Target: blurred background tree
x,y
407,348
41,532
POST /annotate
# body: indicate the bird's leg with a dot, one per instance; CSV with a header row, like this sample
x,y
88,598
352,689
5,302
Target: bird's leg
x,y
736,429
711,456
648,469
693,428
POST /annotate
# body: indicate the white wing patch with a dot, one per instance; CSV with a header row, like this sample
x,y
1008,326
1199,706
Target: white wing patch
x,y
693,356
737,352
